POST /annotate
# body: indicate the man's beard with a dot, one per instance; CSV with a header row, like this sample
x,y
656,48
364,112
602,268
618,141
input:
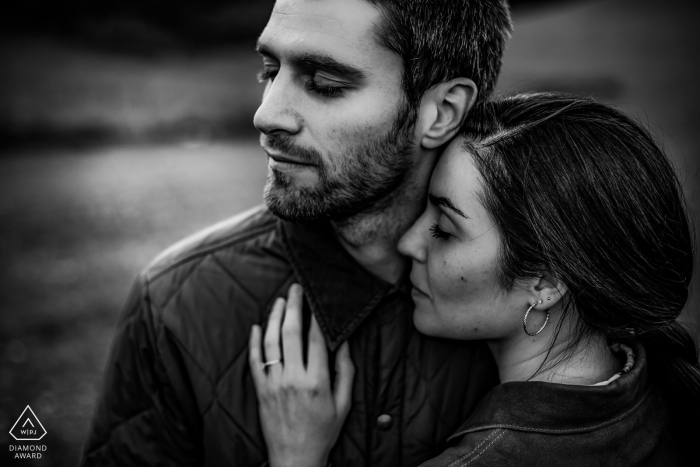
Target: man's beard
x,y
366,176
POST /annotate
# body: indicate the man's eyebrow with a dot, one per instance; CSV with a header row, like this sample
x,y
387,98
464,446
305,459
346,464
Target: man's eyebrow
x,y
330,64
442,201
318,61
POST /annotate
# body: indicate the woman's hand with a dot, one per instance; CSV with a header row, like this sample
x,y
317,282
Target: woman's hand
x,y
301,416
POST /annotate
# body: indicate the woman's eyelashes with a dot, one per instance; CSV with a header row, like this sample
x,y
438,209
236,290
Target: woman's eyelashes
x,y
438,233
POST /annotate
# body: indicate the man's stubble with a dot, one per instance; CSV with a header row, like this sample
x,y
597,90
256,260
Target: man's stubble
x,y
366,180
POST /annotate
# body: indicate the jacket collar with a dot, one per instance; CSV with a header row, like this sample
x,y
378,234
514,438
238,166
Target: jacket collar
x,y
561,408
340,292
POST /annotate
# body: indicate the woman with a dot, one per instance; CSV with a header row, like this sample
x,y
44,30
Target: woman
x,y
556,230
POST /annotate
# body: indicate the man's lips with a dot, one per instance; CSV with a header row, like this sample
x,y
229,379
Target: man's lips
x,y
286,160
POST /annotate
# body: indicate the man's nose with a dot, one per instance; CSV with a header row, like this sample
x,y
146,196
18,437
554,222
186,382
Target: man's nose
x,y
413,242
277,112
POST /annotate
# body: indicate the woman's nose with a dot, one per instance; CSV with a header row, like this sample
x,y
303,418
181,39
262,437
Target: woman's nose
x,y
277,112
413,242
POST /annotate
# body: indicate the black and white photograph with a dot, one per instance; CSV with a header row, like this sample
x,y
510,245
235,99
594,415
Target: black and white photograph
x,y
349,233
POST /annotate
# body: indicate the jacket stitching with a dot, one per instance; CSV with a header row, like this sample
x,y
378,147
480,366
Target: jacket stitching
x,y
430,402
243,431
242,351
115,428
183,349
228,368
485,449
187,354
356,443
218,262
186,351
425,379
224,243
475,449
146,300
570,430
182,282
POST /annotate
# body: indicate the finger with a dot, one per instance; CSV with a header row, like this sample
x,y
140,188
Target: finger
x,y
318,355
291,331
344,375
272,338
255,358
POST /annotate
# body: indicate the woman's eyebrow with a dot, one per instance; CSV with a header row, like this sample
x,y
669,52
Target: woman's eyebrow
x,y
445,202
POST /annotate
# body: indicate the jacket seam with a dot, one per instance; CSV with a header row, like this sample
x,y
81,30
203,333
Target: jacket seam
x,y
227,242
231,364
117,427
427,380
185,350
356,443
485,449
146,301
245,433
187,354
215,384
234,279
570,430
177,289
475,449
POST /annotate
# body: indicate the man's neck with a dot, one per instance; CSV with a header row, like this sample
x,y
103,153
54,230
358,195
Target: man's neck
x,y
372,237
371,240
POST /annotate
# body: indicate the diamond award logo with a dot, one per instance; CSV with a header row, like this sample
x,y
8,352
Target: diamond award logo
x,y
28,427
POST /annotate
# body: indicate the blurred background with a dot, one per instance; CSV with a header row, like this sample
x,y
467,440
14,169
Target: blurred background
x,y
127,125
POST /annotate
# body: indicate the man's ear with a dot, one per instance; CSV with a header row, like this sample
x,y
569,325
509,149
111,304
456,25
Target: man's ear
x,y
443,109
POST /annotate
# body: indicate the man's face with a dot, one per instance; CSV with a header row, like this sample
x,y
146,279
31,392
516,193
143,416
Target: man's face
x,y
333,119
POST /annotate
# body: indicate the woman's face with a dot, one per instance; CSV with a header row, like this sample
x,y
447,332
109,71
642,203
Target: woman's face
x,y
454,246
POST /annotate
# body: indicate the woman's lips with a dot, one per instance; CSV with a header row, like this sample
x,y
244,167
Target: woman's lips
x,y
417,290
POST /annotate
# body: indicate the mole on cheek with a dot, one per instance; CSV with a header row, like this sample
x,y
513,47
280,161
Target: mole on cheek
x,y
476,329
462,279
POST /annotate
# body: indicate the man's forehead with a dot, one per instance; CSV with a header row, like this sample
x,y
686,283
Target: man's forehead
x,y
320,24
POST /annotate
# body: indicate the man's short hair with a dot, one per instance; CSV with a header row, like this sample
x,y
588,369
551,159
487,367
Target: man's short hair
x,y
439,40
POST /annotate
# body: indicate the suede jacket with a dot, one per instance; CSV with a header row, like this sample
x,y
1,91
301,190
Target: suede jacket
x,y
623,423
177,389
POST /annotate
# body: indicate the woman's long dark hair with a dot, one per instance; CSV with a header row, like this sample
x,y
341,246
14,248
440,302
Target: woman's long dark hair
x,y
581,191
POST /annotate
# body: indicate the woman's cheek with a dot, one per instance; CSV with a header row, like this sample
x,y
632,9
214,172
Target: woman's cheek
x,y
449,281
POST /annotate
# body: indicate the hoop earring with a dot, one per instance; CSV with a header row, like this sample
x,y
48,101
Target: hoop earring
x,y
525,320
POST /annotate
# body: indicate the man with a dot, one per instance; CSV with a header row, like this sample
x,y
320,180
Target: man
x,y
361,95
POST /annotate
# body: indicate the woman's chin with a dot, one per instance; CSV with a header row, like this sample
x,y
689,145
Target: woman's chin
x,y
425,323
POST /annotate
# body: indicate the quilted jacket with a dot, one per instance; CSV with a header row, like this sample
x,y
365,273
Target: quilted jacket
x,y
177,389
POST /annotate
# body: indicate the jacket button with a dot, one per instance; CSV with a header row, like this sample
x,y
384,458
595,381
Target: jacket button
x,y
384,422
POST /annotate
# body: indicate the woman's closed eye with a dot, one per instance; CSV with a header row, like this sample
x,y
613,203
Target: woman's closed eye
x,y
438,233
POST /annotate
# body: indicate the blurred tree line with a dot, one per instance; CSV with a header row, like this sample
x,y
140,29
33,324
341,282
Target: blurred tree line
x,y
138,26
147,26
